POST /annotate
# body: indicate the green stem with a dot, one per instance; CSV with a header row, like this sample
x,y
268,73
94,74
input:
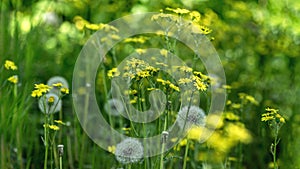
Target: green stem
x,y
46,141
60,162
185,154
275,148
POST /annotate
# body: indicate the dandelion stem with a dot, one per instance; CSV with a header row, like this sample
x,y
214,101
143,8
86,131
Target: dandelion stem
x,y
60,162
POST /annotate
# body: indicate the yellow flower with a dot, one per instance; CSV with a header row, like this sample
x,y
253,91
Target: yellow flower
x,y
247,98
236,105
178,10
272,114
58,84
195,133
238,132
113,72
199,84
172,86
140,51
10,65
184,68
164,52
115,37
54,127
51,99
40,89
92,26
13,79
214,121
36,93
111,149
231,116
184,81
143,74
64,90
195,16
59,122
141,39
164,82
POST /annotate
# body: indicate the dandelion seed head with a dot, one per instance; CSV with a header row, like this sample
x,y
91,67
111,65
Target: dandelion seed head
x,y
190,116
129,151
48,107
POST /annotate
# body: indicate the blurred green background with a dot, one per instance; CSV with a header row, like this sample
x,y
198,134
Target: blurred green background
x,y
258,43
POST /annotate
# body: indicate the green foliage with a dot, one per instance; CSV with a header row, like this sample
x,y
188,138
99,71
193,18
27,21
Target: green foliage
x,y
257,41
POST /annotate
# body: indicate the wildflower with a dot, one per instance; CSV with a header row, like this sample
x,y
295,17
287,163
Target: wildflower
x,y
143,74
247,98
236,105
178,10
114,107
53,127
195,16
185,69
199,84
64,90
92,26
51,100
190,116
57,82
231,116
129,151
111,149
140,51
162,81
172,86
272,114
238,132
40,89
50,103
184,80
114,72
161,64
10,65
13,79
195,133
214,121
164,52
59,122
141,39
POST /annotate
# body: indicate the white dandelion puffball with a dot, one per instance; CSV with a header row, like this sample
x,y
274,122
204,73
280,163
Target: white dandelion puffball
x,y
57,79
129,151
50,107
190,116
113,107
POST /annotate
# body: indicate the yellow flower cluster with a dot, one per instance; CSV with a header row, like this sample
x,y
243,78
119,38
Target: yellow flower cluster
x,y
140,39
53,127
168,83
247,98
13,79
40,89
272,115
10,65
81,23
178,10
114,72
